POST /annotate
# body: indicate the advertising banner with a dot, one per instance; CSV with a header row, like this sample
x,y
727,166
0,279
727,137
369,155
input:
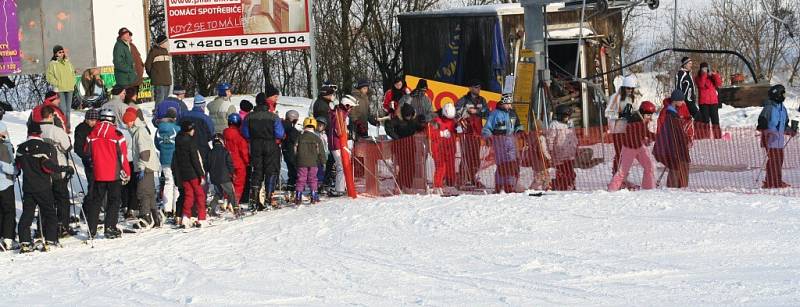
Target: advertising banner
x,y
10,60
203,26
441,93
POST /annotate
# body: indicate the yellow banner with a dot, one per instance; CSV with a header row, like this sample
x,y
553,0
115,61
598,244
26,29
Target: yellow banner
x,y
441,93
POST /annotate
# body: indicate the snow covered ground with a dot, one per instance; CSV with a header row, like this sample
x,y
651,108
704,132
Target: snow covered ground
x,y
646,248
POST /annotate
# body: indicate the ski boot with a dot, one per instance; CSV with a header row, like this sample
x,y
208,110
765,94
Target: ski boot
x,y
314,197
25,247
66,231
298,198
156,218
255,201
112,233
8,244
49,245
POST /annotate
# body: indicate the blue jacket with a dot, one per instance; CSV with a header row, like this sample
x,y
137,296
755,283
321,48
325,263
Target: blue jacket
x,y
501,122
773,122
165,141
169,102
199,112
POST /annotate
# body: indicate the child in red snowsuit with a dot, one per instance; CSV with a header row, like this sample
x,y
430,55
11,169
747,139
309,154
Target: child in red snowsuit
x,y
239,149
442,132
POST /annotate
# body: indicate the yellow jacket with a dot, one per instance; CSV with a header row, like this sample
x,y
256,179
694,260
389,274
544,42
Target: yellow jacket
x,y
61,75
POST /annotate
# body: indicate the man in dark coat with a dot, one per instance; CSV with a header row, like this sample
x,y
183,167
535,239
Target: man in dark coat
x,y
265,131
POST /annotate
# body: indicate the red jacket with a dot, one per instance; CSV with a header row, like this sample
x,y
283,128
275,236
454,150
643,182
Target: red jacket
x,y
683,113
443,138
391,103
107,149
237,146
707,85
637,135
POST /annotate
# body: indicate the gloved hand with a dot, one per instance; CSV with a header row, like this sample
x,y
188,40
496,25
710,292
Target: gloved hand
x,y
68,170
124,177
140,175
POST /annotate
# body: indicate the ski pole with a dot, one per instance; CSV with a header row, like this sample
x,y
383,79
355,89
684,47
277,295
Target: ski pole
x,y
391,171
658,182
75,167
766,158
89,235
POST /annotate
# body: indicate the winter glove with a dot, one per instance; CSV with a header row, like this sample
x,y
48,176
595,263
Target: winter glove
x,y
68,172
140,175
123,176
445,134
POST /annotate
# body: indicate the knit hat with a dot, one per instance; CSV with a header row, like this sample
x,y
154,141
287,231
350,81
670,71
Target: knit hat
x,y
270,91
677,95
685,60
172,113
129,116
92,114
326,90
117,89
178,90
199,100
161,39
246,105
422,84
261,99
362,83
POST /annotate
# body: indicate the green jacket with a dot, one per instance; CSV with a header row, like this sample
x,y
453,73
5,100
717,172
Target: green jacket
x,y
310,150
124,71
61,75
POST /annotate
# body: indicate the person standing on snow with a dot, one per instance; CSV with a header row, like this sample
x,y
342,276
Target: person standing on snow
x,y
82,131
443,147
323,169
288,145
707,83
672,145
619,106
340,113
501,126
37,160
685,83
563,143
166,135
188,170
404,148
359,116
158,68
63,146
8,210
310,151
773,123
471,109
239,150
394,98
322,106
107,148
174,101
266,132
125,63
203,126
220,171
145,166
117,104
221,107
61,75
50,99
634,147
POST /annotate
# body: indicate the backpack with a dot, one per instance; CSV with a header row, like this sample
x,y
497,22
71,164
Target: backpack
x,y
167,137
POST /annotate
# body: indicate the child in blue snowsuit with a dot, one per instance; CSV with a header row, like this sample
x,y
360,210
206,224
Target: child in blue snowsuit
x,y
501,126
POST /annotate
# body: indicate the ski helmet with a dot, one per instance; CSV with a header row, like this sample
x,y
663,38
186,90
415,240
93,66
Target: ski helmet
x,y
348,100
322,121
449,111
777,93
310,121
292,115
222,89
108,115
506,99
647,107
234,119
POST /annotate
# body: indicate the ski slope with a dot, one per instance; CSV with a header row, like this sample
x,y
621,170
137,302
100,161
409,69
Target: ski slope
x,y
645,248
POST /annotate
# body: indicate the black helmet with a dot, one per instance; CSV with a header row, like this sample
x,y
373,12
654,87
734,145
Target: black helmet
x,y
777,93
187,125
322,120
107,115
563,110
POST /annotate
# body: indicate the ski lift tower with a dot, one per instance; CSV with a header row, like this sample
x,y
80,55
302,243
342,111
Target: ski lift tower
x,y
536,41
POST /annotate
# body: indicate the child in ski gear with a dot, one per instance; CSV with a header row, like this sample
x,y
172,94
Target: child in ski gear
x,y
708,82
310,152
63,145
620,104
245,107
287,147
221,170
443,147
323,169
204,127
265,131
240,153
773,123
221,107
339,113
501,127
165,143
563,143
671,147
37,160
536,156
188,169
146,166
404,146
8,211
634,147
471,109
107,149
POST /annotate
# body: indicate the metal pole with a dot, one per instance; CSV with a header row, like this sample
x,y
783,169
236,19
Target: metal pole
x,y
313,50
580,38
674,24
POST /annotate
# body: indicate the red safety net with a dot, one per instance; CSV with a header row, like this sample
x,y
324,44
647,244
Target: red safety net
x,y
695,158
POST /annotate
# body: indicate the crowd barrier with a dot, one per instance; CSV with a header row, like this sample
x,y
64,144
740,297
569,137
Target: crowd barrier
x,y
725,160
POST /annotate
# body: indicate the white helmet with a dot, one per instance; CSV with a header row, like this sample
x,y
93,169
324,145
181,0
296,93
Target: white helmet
x,y
629,81
349,101
449,111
